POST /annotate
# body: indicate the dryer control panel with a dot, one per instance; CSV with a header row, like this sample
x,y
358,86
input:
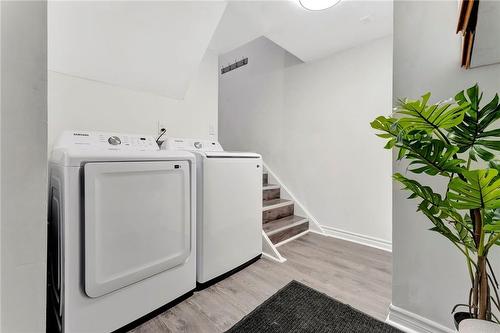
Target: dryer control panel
x,y
191,145
107,140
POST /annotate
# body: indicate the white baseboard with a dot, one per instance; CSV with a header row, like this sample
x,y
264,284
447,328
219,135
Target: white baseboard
x,y
357,238
412,323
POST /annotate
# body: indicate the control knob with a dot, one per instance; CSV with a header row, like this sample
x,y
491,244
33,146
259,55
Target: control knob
x,y
114,140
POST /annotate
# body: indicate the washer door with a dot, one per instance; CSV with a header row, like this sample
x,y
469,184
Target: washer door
x,y
137,221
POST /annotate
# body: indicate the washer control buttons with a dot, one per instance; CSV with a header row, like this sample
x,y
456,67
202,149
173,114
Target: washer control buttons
x,y
114,140
197,145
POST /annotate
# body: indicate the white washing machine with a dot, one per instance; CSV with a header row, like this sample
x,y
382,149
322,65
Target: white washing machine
x,y
121,230
229,208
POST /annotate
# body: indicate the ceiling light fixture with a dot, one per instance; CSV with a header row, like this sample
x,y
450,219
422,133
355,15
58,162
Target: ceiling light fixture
x,y
318,4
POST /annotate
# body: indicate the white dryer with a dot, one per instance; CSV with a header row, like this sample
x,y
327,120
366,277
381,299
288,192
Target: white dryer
x,y
229,208
121,229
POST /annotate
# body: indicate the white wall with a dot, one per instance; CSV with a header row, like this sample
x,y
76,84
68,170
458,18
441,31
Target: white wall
x,y
429,274
23,156
152,46
310,122
76,103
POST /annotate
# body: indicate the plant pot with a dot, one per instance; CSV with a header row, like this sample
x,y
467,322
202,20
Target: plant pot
x,y
477,325
459,316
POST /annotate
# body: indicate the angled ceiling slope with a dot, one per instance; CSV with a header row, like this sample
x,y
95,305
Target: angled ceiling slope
x,y
153,46
309,35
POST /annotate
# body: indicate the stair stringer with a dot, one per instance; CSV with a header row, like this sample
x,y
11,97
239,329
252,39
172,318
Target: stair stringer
x,y
269,250
314,225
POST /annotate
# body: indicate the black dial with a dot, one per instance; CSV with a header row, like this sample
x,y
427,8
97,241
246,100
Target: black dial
x,y
114,140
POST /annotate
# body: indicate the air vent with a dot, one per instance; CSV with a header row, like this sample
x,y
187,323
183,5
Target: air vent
x,y
234,66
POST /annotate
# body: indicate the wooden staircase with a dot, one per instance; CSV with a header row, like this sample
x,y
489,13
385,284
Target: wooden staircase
x,y
278,219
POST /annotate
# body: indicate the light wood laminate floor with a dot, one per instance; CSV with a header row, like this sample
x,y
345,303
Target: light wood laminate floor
x,y
351,273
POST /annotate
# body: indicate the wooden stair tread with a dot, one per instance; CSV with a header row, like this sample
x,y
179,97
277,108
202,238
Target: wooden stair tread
x,y
270,192
285,234
278,219
275,203
284,223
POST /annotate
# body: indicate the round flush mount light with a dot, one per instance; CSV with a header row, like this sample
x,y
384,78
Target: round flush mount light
x,y
318,4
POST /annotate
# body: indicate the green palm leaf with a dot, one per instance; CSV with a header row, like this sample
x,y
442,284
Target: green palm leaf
x,y
434,157
419,190
396,136
432,202
472,133
492,220
480,190
438,215
390,130
418,115
465,235
437,210
427,155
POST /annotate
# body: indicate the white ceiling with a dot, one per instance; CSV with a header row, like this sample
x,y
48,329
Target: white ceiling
x,y
309,35
153,46
157,46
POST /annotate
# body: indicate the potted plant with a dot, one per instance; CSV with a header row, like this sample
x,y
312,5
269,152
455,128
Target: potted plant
x,y
455,139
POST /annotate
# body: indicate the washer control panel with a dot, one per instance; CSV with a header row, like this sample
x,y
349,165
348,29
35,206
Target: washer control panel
x,y
191,145
111,141
128,140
